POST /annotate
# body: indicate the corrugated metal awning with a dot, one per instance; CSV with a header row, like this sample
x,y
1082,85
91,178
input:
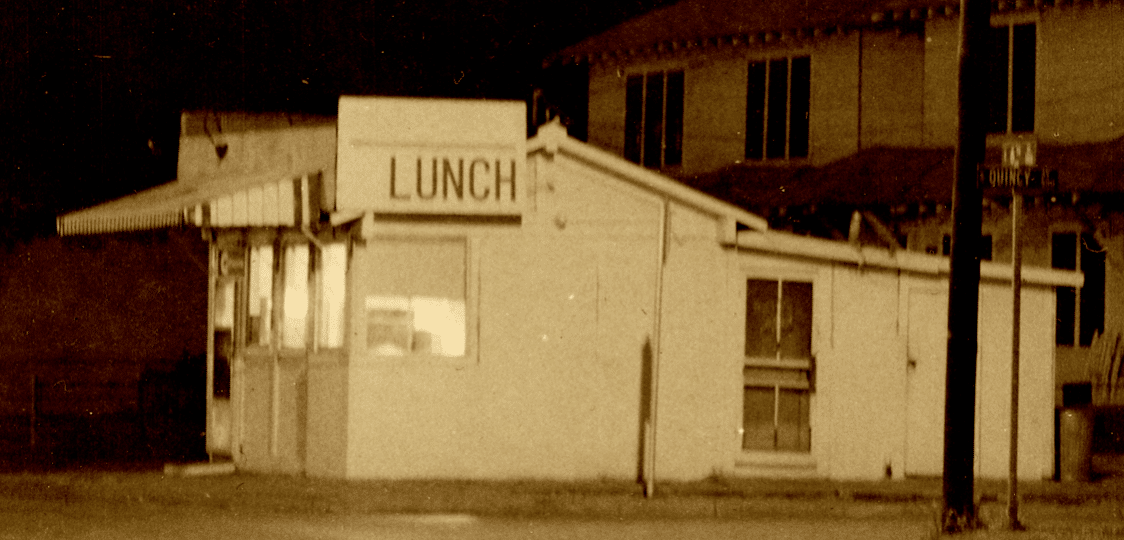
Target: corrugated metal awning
x,y
262,202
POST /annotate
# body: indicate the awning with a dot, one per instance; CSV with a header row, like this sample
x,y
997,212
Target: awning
x,y
261,202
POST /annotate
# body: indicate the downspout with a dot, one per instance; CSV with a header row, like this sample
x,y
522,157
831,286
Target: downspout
x,y
209,388
661,263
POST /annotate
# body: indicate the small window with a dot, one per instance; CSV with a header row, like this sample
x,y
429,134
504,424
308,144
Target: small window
x,y
778,370
417,303
1080,312
260,309
1011,72
295,307
654,119
333,282
778,98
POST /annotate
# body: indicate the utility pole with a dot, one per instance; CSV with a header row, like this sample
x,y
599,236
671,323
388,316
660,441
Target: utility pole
x,y
959,511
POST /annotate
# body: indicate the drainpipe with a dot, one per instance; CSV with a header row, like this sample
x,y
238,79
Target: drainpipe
x,y
661,263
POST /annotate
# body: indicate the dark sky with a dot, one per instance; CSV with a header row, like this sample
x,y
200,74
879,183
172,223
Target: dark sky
x,y
91,90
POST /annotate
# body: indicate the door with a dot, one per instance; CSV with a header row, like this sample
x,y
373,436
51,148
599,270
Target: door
x,y
925,382
271,374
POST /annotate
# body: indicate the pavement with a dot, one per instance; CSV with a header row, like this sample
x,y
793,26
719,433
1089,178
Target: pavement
x,y
714,497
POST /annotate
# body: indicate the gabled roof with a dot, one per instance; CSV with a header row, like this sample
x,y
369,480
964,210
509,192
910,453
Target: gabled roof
x,y
552,139
702,23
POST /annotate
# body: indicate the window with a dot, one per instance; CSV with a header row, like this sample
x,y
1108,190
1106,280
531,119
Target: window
x,y
333,276
417,304
985,246
778,95
653,118
1011,65
260,324
778,370
1080,312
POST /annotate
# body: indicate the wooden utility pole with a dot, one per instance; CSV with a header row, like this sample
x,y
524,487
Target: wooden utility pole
x,y
959,510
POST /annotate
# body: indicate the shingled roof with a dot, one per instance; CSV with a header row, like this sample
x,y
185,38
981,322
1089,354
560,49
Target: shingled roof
x,y
703,23
889,177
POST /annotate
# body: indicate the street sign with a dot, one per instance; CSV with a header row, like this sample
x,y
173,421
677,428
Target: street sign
x,y
1019,151
1036,178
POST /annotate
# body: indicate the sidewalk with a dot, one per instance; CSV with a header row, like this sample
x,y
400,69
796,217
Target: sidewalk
x,y
710,498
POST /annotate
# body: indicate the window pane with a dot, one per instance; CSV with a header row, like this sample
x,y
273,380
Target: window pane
x,y
755,111
418,305
1022,78
801,102
296,296
778,109
793,432
1092,294
758,432
1063,251
224,338
261,295
985,247
761,318
333,275
1067,300
633,117
653,120
673,154
796,320
997,80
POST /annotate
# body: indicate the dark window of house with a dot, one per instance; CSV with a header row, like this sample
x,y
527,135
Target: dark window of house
x,y
755,112
1011,57
985,247
654,119
1022,77
777,107
673,136
778,96
1080,312
946,245
633,117
800,105
777,374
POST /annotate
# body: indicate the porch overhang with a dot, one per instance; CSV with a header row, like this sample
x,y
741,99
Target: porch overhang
x,y
254,202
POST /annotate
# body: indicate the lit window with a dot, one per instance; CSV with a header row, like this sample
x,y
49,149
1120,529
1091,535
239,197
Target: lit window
x,y
417,303
295,310
261,295
654,119
333,275
778,99
778,370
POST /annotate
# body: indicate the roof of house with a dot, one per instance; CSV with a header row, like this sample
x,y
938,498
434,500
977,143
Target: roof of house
x,y
702,23
888,177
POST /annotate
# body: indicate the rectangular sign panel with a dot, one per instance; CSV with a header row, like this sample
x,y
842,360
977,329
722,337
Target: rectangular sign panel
x,y
431,156
1035,178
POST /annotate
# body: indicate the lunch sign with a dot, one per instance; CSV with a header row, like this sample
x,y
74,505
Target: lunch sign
x,y
431,156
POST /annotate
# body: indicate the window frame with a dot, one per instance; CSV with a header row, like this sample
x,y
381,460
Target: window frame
x,y
762,121
779,366
1020,98
363,287
638,118
1078,321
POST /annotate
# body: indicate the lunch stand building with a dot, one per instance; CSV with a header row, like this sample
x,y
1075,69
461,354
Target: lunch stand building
x,y
413,289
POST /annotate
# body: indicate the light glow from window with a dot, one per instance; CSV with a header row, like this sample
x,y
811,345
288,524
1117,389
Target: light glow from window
x,y
333,284
296,296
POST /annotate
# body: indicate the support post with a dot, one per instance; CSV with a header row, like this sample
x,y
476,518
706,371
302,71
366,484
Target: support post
x,y
1016,318
958,509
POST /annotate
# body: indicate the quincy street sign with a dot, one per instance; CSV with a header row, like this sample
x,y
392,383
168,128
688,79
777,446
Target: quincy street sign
x,y
1018,177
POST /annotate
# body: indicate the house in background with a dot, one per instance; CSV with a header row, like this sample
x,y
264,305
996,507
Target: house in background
x,y
838,118
413,289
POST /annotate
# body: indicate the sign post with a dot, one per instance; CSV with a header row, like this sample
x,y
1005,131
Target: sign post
x,y
1019,173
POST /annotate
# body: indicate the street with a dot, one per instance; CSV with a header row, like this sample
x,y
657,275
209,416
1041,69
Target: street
x,y
95,519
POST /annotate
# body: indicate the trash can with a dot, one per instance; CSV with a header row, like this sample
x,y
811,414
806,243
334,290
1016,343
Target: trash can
x,y
1076,441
